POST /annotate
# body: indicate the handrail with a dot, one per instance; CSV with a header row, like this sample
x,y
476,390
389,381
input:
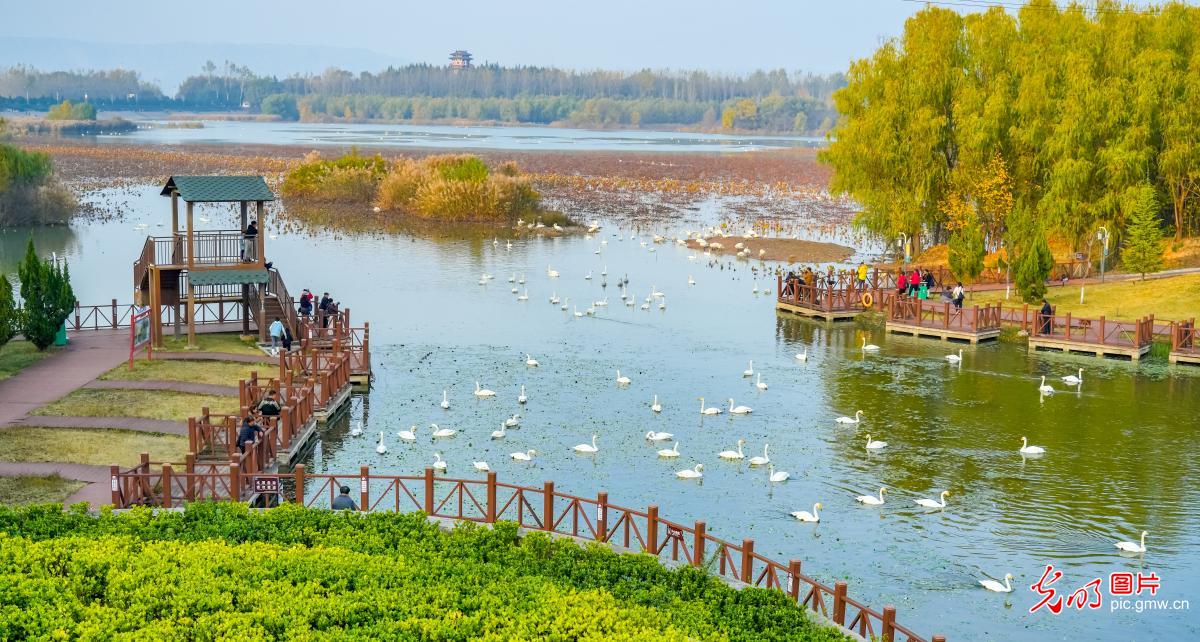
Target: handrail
x,y
1184,337
545,509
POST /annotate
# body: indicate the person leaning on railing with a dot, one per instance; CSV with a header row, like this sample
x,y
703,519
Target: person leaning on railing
x,y
270,405
250,243
249,432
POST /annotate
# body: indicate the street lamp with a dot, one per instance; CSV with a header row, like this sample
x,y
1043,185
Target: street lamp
x,y
902,243
1102,235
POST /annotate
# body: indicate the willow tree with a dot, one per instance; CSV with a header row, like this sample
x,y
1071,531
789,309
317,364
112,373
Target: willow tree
x,y
1178,33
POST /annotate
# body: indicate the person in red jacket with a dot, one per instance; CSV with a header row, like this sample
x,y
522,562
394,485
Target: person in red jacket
x,y
901,283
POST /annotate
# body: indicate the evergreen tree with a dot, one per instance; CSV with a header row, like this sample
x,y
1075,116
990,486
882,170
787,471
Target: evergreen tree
x,y
8,311
1143,251
49,299
1032,260
966,252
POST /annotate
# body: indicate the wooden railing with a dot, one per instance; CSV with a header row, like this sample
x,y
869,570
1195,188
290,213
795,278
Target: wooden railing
x,y
210,247
111,316
326,371
836,293
1099,330
942,315
544,509
1184,338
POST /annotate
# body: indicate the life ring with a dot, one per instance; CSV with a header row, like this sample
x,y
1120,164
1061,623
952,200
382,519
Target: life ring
x,y
868,300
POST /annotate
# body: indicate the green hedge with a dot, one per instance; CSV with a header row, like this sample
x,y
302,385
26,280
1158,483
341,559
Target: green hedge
x,y
222,571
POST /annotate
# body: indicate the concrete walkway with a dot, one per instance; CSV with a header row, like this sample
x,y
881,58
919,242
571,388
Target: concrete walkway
x,y
96,490
139,424
173,386
87,356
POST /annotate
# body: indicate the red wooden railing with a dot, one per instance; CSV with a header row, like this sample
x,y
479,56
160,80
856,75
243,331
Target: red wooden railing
x,y
545,509
944,315
1183,337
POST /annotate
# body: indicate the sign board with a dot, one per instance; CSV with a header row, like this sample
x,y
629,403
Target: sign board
x,y
1079,256
139,333
266,484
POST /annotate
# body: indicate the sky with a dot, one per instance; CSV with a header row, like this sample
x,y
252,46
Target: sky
x,y
718,35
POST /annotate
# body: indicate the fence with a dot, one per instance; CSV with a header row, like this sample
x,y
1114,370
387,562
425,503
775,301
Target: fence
x,y
943,316
1183,337
544,509
112,316
1099,331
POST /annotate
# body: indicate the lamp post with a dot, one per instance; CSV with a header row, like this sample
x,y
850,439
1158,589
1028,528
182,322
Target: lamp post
x,y
902,242
1102,235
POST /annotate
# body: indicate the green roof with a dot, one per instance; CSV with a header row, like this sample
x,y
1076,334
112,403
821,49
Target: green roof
x,y
228,277
219,189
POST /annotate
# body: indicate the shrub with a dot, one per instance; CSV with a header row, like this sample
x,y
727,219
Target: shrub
x,y
66,110
282,105
47,296
349,178
222,571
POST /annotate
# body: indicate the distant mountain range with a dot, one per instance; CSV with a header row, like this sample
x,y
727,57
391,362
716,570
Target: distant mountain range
x,y
167,64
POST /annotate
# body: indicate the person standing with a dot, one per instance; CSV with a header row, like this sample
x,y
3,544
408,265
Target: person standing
x,y
248,433
276,331
1046,316
958,295
250,243
306,303
323,309
901,283
862,275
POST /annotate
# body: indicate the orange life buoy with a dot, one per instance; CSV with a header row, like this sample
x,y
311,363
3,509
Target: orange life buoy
x,y
868,300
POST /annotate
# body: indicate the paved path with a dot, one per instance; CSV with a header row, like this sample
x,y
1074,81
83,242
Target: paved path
x,y
88,355
96,490
139,424
173,386
215,356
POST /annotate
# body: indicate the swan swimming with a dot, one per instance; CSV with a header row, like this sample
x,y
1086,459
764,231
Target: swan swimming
x,y
483,392
445,400
622,381
929,503
806,516
739,410
955,358
803,356
671,452
587,448
1133,547
759,384
993,585
875,444
1026,449
1074,380
733,454
408,435
761,461
658,436
868,347
525,456
381,448
871,500
1045,388
438,464
691,473
708,411
442,432
776,476
655,406
848,420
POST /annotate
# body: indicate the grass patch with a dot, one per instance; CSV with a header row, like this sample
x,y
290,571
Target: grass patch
x,y
88,445
147,404
224,342
1170,299
19,491
225,373
16,355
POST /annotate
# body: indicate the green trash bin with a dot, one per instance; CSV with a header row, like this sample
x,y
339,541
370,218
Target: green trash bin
x,y
923,292
60,338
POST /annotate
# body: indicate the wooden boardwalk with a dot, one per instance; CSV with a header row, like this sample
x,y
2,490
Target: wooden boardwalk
x,y
943,321
832,298
1099,337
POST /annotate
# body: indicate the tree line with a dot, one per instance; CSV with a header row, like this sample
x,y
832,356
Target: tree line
x,y
992,131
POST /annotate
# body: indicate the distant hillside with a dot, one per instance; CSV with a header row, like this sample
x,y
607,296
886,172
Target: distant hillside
x,y
168,64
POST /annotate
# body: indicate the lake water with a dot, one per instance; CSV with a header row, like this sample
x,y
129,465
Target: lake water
x,y
453,137
1120,450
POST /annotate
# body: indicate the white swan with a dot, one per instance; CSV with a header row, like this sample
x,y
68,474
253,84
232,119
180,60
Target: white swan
x,y
481,466
761,461
357,430
381,448
588,277
671,452
438,464
483,392
749,371
691,473
1133,547
551,272
955,358
868,347
851,420
445,400
513,421
1045,388
524,295
1026,449
803,356
499,434
708,411
733,454
875,444
806,516
776,477
691,281
439,432
1074,380
408,435
658,436
739,410
525,456
993,585
929,503
554,298
587,448
871,499
530,361
759,384
655,406
622,381
522,398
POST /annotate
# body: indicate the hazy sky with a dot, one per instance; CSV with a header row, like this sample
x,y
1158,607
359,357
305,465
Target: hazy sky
x,y
723,35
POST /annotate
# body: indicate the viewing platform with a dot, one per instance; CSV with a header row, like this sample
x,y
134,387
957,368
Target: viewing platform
x,y
841,300
1097,337
921,318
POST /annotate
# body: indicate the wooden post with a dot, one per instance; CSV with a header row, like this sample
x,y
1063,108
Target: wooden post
x,y
747,561
193,438
261,214
1100,336
235,482
114,315
946,315
1025,318
114,473
1068,328
652,529
548,505
364,488
429,491
298,474
839,603
601,516
793,587
975,319
174,218
491,497
191,293
166,485
190,483
888,631
939,638
698,544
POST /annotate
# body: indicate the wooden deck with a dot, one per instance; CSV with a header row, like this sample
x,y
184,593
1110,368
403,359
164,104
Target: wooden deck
x,y
942,321
1185,344
831,299
1098,337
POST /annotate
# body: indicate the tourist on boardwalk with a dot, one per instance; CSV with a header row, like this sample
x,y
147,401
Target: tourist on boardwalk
x,y
789,284
270,405
930,282
306,303
1046,314
901,283
959,295
250,243
947,296
248,433
862,275
914,282
332,310
287,339
323,309
343,501
276,331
